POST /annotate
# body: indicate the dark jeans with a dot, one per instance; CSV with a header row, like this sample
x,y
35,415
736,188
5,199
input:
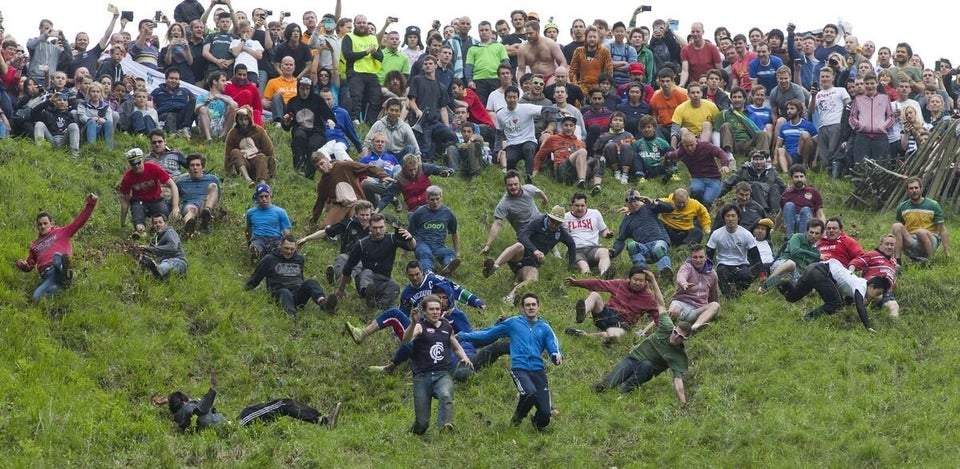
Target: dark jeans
x,y
141,209
481,357
269,411
485,87
534,392
365,94
682,237
875,147
387,290
180,119
296,298
526,151
815,277
629,374
732,279
303,142
434,135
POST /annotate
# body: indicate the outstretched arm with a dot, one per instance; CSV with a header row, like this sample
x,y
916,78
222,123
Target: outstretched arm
x,y
678,388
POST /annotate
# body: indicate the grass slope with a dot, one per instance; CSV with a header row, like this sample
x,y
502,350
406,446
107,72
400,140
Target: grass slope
x,y
766,389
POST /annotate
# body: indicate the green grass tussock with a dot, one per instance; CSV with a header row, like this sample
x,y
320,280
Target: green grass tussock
x,y
765,390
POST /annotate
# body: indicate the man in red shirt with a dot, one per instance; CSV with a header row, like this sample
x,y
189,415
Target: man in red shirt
x,y
570,160
698,56
140,193
50,253
630,299
835,244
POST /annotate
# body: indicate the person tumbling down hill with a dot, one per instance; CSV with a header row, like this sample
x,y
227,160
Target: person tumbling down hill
x,y
183,408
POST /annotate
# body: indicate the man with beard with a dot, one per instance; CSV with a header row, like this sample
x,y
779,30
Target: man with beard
x,y
920,226
795,143
306,117
363,58
800,202
763,181
541,54
518,206
248,148
50,253
427,101
739,135
245,93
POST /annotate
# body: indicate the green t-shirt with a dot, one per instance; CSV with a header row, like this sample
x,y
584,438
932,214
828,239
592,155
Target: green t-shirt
x,y
657,350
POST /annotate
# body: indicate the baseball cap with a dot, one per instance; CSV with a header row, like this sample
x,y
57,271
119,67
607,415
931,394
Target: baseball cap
x,y
637,67
569,118
305,81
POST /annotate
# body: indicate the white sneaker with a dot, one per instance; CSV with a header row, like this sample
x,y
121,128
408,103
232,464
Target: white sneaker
x,y
616,175
624,179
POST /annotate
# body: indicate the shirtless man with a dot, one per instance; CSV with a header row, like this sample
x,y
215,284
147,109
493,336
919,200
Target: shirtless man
x,y
542,54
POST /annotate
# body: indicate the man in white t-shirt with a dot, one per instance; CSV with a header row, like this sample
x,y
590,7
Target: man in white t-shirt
x,y
734,252
586,226
515,124
247,51
830,101
496,101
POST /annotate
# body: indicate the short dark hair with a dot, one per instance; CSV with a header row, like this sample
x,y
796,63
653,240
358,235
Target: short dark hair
x,y
797,168
171,70
510,174
836,219
288,239
731,206
378,217
880,281
529,295
414,264
578,196
197,156
815,222
636,269
176,400
511,89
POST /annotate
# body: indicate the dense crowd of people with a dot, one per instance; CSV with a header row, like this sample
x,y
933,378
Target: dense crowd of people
x,y
630,99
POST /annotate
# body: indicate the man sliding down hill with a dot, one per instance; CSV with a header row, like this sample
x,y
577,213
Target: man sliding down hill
x,y
50,253
183,408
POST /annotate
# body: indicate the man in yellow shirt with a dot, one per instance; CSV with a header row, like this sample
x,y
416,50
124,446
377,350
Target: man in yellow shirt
x,y
681,223
696,115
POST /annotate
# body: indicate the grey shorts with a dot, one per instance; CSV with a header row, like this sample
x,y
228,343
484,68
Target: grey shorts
x,y
588,254
688,312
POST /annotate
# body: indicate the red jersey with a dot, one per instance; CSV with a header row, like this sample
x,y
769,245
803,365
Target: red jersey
x,y
876,264
843,249
561,146
145,185
57,241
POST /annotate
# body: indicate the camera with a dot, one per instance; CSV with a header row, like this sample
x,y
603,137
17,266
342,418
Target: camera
x,y
644,8
157,15
833,63
286,14
268,12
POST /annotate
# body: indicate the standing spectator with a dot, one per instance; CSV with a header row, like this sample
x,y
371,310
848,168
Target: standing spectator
x,y
589,61
698,56
217,45
50,253
483,60
428,101
830,102
363,59
870,118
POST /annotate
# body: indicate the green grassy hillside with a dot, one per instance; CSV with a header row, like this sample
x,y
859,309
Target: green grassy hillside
x,y
766,389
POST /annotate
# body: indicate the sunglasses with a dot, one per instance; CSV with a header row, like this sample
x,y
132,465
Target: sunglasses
x,y
536,83
678,334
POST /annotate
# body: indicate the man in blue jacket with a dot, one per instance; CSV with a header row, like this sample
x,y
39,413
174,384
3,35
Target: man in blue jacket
x,y
529,336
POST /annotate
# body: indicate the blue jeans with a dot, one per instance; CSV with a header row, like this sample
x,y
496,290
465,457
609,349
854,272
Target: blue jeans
x,y
425,254
426,386
656,250
794,221
54,279
705,190
92,130
276,107
175,265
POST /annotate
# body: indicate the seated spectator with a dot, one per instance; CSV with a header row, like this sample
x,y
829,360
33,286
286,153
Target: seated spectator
x,y
400,137
245,93
140,192
340,130
630,299
763,179
248,149
587,226
571,162
800,202
279,90
137,115
649,150
739,135
54,122
175,105
429,225
164,254
706,163
734,251
761,232
614,146
216,111
200,192
470,152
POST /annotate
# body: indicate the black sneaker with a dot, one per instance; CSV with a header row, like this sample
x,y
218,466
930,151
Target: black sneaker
x,y
330,304
811,315
190,226
206,216
488,268
575,332
449,268
596,189
65,270
516,420
329,272
148,263
581,311
528,179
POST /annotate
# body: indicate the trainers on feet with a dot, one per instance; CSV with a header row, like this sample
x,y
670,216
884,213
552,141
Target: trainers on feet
x,y
574,331
595,189
378,369
488,267
151,265
509,299
333,416
330,304
582,184
190,226
581,311
624,179
355,332
449,268
206,216
666,275
447,428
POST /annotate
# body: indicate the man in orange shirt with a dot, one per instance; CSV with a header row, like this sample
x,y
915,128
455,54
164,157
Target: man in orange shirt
x,y
665,100
570,160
